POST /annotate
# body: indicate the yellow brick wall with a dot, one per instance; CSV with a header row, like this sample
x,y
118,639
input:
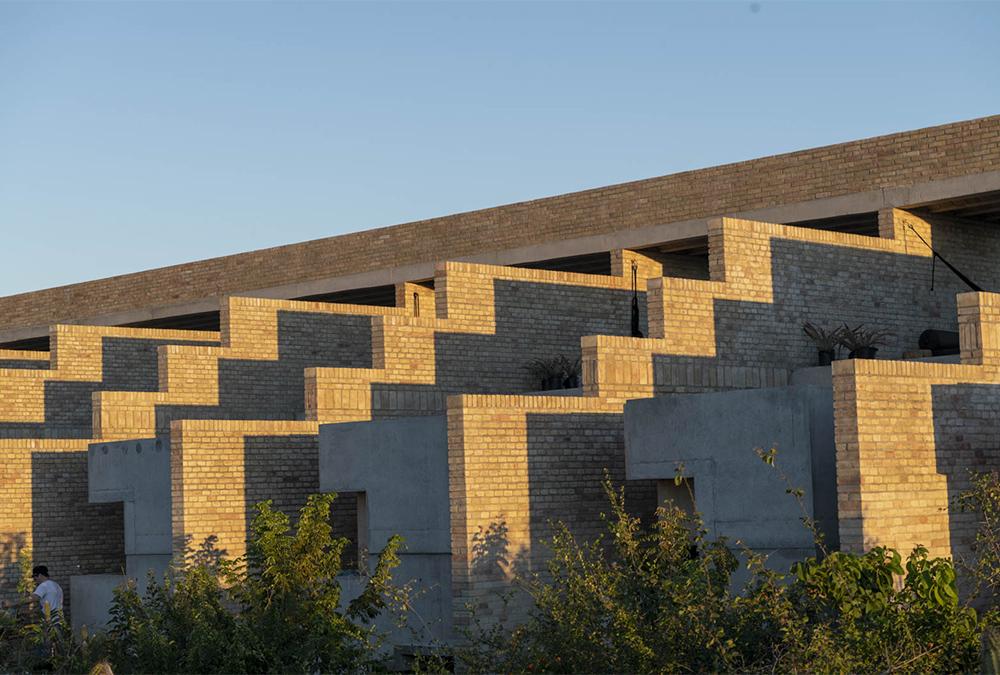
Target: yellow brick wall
x,y
190,376
516,465
743,327
490,438
908,433
19,358
220,468
80,354
491,321
44,508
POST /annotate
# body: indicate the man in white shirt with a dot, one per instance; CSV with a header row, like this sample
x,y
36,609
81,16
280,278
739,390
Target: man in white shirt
x,y
48,592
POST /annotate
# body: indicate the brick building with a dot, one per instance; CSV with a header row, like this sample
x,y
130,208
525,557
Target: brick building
x,y
145,412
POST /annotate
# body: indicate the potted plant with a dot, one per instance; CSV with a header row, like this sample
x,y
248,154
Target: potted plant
x,y
862,342
570,371
826,341
547,372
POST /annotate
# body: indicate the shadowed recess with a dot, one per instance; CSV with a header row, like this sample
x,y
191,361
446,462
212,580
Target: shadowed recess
x,y
69,534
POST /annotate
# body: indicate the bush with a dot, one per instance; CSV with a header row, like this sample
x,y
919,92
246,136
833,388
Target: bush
x,y
665,600
278,609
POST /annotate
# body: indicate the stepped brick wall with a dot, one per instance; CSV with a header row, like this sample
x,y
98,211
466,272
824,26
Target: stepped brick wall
x,y
242,407
44,429
501,437
256,373
903,159
498,429
743,328
492,321
407,350
909,434
56,401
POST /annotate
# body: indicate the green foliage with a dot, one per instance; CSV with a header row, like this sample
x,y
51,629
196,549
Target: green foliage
x,y
278,609
983,499
31,640
667,599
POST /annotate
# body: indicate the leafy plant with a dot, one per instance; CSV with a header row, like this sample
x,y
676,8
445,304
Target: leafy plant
x,y
31,641
555,372
860,337
665,599
276,610
825,340
569,371
542,369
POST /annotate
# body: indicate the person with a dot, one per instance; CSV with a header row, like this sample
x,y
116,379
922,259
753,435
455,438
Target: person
x,y
48,592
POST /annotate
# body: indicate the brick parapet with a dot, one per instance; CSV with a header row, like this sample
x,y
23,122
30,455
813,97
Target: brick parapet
x,y
212,494
44,509
8,357
685,315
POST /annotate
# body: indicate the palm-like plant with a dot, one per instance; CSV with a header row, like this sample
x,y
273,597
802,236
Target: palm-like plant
x,y
859,337
825,340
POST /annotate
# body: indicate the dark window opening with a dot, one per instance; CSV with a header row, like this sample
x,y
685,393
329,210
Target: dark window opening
x,y
851,223
684,258
591,263
208,321
376,296
36,344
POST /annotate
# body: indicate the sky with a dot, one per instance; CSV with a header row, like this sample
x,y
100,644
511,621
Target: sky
x,y
141,134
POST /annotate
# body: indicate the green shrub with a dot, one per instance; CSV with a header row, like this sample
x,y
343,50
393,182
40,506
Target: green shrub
x,y
665,599
278,609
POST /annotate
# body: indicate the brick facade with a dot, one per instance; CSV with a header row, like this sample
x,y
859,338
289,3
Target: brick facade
x,y
241,409
908,434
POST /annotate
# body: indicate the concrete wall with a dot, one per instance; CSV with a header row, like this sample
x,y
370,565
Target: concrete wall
x,y
401,467
92,598
136,473
713,437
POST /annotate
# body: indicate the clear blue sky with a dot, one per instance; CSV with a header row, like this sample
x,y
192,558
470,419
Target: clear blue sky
x,y
136,135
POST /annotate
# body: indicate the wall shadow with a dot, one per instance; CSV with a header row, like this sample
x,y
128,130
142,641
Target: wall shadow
x,y
69,534
828,285
966,441
568,456
128,364
275,390
285,469
24,364
533,321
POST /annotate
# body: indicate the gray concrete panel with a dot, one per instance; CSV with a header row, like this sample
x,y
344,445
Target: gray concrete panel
x,y
92,596
136,472
714,435
402,467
